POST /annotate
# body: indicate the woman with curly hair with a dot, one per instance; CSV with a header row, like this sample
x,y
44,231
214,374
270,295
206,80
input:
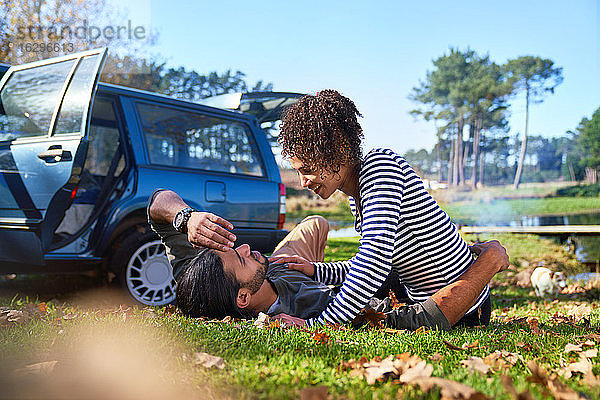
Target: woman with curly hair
x,y
400,224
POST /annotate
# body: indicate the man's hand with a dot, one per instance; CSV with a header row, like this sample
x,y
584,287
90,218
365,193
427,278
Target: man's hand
x,y
288,320
295,262
495,249
208,230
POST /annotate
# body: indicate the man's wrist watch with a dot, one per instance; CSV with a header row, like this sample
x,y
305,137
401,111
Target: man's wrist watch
x,y
181,219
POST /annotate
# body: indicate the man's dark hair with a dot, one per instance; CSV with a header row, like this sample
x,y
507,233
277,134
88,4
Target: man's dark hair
x,y
205,289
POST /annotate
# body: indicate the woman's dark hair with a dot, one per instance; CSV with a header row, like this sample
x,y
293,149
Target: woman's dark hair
x,y
322,131
204,289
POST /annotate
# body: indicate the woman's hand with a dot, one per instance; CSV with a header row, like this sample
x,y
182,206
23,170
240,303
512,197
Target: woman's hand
x,y
295,262
208,230
288,320
493,247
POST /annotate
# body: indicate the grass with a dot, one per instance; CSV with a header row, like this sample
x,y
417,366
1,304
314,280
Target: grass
x,y
279,363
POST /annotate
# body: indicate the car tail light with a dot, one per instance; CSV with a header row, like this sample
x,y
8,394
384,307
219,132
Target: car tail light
x,y
281,220
74,193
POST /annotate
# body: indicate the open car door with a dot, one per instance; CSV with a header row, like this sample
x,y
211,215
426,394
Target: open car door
x,y
265,106
44,121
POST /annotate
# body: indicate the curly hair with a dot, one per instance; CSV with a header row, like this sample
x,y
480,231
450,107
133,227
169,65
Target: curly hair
x,y
322,131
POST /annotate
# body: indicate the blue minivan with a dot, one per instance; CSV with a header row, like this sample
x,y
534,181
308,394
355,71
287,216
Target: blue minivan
x,y
79,160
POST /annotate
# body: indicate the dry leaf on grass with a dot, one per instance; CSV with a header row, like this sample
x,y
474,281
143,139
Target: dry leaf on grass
x,y
465,346
262,321
588,343
391,367
435,357
43,368
559,390
502,359
476,364
370,316
589,353
450,390
208,361
572,347
583,366
510,389
314,393
321,337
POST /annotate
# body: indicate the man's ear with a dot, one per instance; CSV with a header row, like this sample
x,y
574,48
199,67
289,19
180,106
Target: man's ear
x,y
243,298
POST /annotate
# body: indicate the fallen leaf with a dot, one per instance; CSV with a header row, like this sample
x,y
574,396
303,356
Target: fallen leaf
x,y
559,390
590,353
419,371
471,346
42,307
435,357
510,389
451,346
262,320
394,331
321,337
450,390
378,369
314,393
589,343
226,319
394,303
43,368
476,364
583,366
572,347
534,325
208,361
370,316
500,359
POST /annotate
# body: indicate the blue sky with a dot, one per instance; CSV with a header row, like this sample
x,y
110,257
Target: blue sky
x,y
375,52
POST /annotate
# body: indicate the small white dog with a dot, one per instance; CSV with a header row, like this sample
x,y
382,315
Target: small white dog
x,y
547,283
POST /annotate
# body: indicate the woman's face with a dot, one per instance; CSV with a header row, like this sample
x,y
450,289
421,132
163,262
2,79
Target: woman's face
x,y
323,185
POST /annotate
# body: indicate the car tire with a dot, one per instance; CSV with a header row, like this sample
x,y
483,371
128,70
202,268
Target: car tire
x,y
143,269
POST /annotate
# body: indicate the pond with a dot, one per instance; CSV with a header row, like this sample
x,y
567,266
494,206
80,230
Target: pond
x,y
587,248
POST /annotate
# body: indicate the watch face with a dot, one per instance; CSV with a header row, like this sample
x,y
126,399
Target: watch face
x,y
178,221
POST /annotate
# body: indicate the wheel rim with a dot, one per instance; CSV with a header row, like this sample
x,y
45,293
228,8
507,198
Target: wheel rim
x,y
149,275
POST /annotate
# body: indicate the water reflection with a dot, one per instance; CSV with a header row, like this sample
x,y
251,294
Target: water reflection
x,y
587,248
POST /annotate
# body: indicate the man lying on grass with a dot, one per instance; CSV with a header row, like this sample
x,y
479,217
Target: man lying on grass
x,y
240,282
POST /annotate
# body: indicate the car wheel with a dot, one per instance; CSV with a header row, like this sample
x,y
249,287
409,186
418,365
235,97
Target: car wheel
x,y
144,270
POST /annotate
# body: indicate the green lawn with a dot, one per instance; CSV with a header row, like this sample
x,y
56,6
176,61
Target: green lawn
x,y
119,348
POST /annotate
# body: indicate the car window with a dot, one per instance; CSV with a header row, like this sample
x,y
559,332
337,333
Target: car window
x,y
192,140
76,98
104,140
29,98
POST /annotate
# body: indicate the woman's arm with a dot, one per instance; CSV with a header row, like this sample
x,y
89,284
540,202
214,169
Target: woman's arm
x,y
456,298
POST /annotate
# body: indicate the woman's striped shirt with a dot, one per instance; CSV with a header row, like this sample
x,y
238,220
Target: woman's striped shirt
x,y
402,227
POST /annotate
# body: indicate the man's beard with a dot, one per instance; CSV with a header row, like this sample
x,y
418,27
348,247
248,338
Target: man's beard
x,y
257,280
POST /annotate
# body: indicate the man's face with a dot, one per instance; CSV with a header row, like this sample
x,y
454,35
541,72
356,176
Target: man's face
x,y
248,266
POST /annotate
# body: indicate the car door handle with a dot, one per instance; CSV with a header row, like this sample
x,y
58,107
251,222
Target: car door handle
x,y
55,154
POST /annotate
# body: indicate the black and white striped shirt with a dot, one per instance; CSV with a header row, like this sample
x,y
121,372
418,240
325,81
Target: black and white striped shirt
x,y
402,227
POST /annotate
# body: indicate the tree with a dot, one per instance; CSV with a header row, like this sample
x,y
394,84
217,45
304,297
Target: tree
x,y
589,143
536,77
443,93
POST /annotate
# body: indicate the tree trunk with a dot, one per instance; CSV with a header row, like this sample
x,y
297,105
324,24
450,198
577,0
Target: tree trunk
x,y
451,164
523,143
458,162
571,172
478,123
591,175
439,160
